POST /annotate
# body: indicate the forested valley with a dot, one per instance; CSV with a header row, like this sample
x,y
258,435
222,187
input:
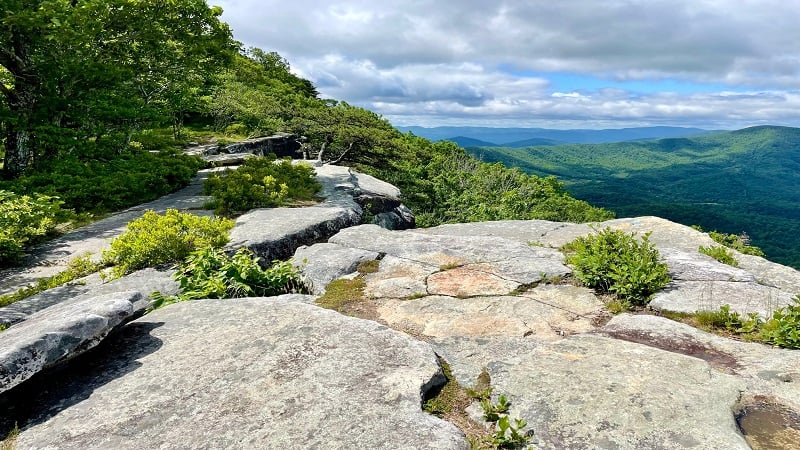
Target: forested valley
x,y
745,181
100,97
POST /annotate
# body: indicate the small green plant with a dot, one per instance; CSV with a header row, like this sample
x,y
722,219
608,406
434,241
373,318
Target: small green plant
x,y
26,220
78,267
493,411
731,321
720,253
507,434
210,273
738,242
3,327
260,183
612,261
155,239
783,329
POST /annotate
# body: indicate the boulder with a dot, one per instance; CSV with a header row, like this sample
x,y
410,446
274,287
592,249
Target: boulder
x,y
61,332
245,373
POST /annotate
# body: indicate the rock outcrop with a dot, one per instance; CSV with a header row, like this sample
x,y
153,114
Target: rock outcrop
x,y
62,332
246,373
491,298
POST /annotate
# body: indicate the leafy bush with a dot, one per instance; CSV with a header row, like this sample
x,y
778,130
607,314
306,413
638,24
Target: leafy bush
x,y
107,181
26,220
720,253
612,261
783,329
728,320
740,243
260,183
210,273
155,239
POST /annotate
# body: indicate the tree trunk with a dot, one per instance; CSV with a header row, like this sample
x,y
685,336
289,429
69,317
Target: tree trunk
x,y
18,152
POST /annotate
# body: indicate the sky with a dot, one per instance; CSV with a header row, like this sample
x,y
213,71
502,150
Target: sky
x,y
715,64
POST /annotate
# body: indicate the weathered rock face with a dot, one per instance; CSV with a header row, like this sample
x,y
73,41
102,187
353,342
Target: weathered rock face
x,y
476,293
594,392
60,332
247,373
275,233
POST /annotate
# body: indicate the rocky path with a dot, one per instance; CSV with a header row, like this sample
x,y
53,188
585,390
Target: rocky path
x,y
485,297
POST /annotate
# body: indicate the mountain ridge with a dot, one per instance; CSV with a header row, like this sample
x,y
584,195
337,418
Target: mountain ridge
x,y
511,136
740,181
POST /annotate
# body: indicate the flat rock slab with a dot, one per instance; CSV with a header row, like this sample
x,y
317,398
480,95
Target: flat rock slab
x,y
769,372
62,331
508,259
246,373
545,313
587,392
744,298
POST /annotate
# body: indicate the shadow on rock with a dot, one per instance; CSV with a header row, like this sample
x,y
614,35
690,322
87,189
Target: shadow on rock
x,y
61,387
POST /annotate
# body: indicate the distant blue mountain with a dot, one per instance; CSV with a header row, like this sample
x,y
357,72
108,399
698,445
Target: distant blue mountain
x,y
512,137
533,142
470,142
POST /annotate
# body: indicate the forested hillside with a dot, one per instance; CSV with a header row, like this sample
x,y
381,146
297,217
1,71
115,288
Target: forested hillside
x,y
99,96
741,181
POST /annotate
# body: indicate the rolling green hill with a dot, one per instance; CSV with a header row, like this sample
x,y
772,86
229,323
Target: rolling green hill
x,y
740,181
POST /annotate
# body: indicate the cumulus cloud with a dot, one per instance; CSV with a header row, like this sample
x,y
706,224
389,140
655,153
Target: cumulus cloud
x,y
470,59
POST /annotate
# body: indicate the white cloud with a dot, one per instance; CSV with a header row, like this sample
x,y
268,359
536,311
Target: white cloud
x,y
425,61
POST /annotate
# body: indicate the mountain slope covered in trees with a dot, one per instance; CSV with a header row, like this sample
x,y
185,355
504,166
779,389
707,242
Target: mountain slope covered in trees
x,y
740,181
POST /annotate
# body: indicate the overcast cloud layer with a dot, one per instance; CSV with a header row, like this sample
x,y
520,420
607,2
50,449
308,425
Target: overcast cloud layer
x,y
554,63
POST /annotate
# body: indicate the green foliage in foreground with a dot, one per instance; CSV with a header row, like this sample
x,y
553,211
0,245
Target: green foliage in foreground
x,y
781,329
26,220
260,183
719,253
76,268
103,181
210,273
612,261
157,239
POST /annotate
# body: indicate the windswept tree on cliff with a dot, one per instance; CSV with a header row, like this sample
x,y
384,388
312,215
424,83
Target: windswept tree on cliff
x,y
76,70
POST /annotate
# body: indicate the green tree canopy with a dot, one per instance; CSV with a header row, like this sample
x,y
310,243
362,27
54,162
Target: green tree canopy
x,y
80,69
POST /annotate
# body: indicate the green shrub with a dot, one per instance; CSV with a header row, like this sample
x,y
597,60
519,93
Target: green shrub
x,y
155,239
26,220
728,320
260,183
720,253
740,243
783,329
210,273
612,261
104,181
